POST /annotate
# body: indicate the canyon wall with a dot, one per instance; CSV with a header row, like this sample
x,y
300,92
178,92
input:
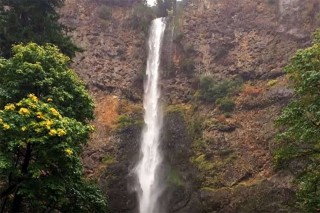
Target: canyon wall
x,y
216,160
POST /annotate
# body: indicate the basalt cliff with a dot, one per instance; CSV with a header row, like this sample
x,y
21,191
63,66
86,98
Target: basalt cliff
x,y
217,150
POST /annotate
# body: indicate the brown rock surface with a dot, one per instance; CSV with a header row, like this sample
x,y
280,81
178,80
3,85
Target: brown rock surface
x,y
251,39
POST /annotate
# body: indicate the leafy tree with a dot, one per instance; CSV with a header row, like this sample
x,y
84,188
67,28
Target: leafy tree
x,y
23,21
39,160
300,120
141,18
44,71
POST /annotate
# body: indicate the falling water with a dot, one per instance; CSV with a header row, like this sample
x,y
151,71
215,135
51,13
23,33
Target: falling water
x,y
147,167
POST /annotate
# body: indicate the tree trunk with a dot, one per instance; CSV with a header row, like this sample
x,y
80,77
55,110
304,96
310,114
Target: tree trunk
x,y
17,200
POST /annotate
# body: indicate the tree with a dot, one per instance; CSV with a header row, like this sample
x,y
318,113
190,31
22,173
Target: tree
x,y
44,71
39,160
42,136
164,6
300,122
33,21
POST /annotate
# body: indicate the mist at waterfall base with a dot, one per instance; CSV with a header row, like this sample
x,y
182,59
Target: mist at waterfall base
x,y
148,184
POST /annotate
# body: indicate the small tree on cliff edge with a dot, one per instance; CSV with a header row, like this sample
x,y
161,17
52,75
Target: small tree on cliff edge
x,y
32,21
164,6
300,141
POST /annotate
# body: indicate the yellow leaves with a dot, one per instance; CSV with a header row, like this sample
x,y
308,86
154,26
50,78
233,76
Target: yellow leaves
x,y
49,100
91,128
53,132
40,115
61,132
271,83
23,129
9,107
33,106
68,151
24,111
33,98
57,132
55,112
6,126
47,124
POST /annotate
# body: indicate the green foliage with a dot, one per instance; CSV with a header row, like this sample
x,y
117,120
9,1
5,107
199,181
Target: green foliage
x,y
202,163
187,66
105,12
108,160
141,17
309,189
272,1
272,82
176,109
195,127
44,71
211,90
36,21
39,151
226,104
175,178
165,7
222,51
300,121
125,121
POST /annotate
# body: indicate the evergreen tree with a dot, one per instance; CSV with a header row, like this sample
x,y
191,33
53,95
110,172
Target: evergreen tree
x,y
23,21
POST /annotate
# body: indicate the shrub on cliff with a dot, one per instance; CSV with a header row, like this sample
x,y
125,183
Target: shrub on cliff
x,y
105,12
187,66
165,6
211,90
226,104
141,18
300,122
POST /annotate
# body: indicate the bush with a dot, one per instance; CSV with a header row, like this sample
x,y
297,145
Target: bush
x,y
124,121
272,1
271,83
187,66
226,104
105,12
211,90
141,18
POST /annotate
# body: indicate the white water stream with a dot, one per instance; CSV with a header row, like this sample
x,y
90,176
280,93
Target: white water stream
x,y
146,169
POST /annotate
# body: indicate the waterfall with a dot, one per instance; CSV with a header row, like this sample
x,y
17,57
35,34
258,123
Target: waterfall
x,y
146,169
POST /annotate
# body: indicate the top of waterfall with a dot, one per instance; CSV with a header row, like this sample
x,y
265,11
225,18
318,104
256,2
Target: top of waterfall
x,y
152,3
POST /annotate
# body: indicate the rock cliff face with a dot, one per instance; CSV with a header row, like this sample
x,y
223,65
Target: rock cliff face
x,y
216,161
